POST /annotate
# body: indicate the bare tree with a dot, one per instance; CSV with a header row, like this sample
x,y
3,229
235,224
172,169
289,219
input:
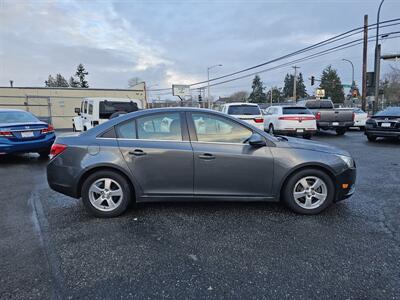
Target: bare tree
x,y
134,81
240,96
391,85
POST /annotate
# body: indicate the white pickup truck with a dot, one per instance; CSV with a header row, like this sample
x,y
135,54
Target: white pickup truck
x,y
94,111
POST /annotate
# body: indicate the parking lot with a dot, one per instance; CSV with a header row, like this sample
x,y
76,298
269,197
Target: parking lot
x,y
51,248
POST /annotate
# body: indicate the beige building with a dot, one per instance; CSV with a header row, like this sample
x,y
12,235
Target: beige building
x,y
56,105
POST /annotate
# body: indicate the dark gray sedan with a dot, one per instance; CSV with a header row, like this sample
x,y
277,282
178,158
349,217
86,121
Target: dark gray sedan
x,y
195,154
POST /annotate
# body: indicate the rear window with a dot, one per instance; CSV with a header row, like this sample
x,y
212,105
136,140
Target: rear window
x,y
107,108
296,111
319,104
17,117
243,110
389,112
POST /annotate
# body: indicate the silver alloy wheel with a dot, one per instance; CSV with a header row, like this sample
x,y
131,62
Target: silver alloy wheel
x,y
310,192
105,194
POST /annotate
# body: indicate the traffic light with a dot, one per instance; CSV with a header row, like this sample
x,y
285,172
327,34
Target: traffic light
x,y
312,80
355,94
200,98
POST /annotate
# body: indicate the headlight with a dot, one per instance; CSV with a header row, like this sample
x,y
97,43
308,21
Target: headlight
x,y
348,160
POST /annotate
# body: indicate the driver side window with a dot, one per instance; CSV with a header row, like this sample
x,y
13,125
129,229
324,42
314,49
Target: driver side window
x,y
217,129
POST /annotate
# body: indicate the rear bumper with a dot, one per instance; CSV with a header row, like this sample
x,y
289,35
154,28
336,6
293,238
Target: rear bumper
x,y
382,132
296,132
330,125
8,147
347,177
62,178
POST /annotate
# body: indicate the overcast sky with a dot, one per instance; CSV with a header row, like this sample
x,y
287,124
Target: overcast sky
x,y
165,42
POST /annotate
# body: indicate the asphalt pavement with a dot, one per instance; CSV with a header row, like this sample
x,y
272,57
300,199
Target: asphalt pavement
x,y
50,248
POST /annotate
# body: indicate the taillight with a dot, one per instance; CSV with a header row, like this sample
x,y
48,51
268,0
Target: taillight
x,y
49,129
258,120
6,134
57,149
318,116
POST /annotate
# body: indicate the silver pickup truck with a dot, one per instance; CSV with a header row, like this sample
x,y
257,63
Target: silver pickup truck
x,y
329,118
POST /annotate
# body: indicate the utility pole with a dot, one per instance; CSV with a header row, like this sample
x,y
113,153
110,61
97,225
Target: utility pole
x,y
208,84
295,83
364,66
271,95
377,57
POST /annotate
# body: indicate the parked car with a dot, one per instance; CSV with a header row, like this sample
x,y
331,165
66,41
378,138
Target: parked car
x,y
290,120
94,111
248,112
329,118
186,154
22,132
385,123
360,117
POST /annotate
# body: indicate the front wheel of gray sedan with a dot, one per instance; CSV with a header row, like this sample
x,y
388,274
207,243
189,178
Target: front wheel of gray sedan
x,y
106,194
309,191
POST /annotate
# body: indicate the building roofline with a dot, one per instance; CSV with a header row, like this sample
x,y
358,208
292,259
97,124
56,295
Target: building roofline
x,y
69,88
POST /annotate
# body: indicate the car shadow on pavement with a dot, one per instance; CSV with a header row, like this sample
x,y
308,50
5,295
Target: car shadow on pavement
x,y
18,159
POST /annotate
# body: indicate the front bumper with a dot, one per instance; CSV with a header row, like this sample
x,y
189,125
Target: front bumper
x,y
348,177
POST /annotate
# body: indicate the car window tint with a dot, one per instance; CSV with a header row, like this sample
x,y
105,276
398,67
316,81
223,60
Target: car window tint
x,y
126,130
85,107
218,129
296,111
90,109
243,110
166,126
17,117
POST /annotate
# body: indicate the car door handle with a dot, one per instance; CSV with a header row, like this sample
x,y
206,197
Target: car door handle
x,y
206,156
137,152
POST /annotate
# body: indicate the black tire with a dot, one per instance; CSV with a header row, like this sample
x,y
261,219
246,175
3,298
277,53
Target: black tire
x,y
288,197
371,138
73,128
307,136
340,131
126,191
271,129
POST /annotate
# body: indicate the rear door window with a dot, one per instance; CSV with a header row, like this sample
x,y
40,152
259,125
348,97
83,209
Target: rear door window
x,y
163,126
243,110
107,108
126,130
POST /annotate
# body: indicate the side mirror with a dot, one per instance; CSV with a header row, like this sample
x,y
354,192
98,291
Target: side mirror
x,y
257,140
77,110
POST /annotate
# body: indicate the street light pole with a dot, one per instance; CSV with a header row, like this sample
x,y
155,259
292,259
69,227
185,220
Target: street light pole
x,y
352,73
208,83
377,58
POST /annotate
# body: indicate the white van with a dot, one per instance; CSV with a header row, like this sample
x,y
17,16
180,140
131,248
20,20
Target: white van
x,y
94,111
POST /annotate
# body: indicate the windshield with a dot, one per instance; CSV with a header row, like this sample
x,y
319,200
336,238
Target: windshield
x,y
107,108
296,111
389,112
244,110
17,117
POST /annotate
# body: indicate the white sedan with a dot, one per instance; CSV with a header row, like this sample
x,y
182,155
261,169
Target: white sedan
x,y
290,120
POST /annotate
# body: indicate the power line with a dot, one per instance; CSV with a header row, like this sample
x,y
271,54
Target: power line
x,y
309,57
325,42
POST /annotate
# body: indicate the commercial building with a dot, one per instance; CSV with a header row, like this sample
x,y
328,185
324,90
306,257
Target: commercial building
x,y
56,105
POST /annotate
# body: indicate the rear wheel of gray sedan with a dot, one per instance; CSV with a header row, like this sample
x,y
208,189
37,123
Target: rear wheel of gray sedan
x,y
309,191
106,194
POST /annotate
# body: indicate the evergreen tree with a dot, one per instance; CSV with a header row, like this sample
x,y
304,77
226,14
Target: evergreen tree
x,y
331,83
61,81
301,91
81,74
50,82
73,82
257,95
